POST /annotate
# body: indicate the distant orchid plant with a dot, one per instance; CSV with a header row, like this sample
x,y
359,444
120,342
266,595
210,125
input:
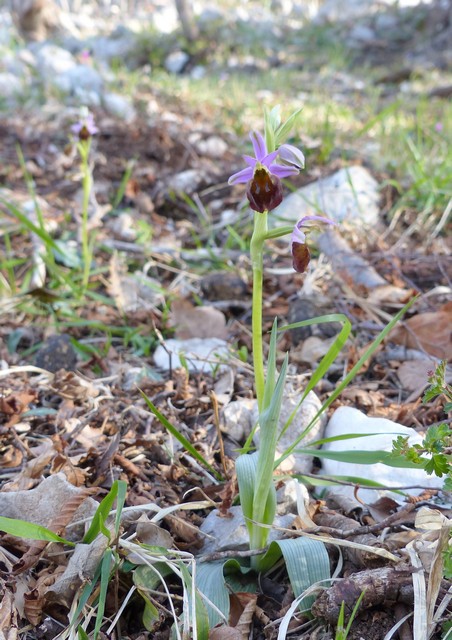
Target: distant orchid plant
x,y
272,161
84,130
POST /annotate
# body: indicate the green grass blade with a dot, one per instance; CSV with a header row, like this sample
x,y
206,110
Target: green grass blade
x,y
118,490
30,531
28,224
327,359
104,581
361,457
179,437
349,377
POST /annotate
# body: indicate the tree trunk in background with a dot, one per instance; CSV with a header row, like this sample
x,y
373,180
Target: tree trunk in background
x,y
185,11
35,19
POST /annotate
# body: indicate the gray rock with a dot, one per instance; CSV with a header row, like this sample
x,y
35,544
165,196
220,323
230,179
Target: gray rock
x,y
53,61
350,194
212,147
362,34
57,353
10,86
122,47
119,106
380,434
230,533
304,308
186,181
201,354
176,61
79,78
237,419
223,285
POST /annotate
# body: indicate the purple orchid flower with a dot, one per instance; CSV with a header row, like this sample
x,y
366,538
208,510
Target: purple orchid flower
x,y
263,175
85,128
300,250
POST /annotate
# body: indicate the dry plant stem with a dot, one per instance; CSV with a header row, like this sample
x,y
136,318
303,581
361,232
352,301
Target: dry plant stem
x,y
257,261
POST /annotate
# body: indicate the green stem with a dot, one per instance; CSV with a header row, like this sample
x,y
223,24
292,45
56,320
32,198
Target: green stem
x,y
257,261
84,149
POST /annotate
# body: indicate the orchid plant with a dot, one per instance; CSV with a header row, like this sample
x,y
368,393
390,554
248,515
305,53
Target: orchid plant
x,y
264,191
84,130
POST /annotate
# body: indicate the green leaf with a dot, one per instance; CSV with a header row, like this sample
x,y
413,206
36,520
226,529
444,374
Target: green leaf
x,y
103,511
269,388
360,457
30,531
30,226
324,364
286,127
82,634
179,437
150,613
105,570
348,378
211,582
307,562
201,616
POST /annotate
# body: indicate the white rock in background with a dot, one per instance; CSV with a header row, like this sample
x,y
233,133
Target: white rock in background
x,y
238,419
349,194
176,61
347,420
186,181
10,86
81,77
201,354
212,147
53,60
119,106
231,532
119,46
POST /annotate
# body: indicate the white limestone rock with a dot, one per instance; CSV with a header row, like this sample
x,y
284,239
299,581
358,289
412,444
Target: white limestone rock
x,y
347,420
201,354
350,194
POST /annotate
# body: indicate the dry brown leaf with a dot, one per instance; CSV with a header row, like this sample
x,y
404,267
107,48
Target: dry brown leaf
x,y
8,616
413,374
429,331
58,525
15,405
34,600
197,322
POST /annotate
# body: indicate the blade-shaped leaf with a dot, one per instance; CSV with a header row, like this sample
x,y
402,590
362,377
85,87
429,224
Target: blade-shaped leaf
x,y
211,583
179,437
29,530
307,562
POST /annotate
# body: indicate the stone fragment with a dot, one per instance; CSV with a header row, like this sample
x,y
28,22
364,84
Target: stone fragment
x,y
350,194
346,421
223,285
176,62
57,353
230,533
119,106
200,354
